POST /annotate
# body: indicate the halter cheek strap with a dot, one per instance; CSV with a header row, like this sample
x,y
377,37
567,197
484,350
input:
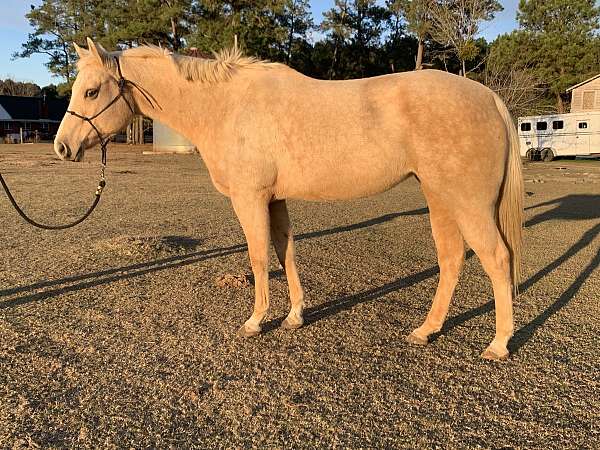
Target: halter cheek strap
x,y
122,83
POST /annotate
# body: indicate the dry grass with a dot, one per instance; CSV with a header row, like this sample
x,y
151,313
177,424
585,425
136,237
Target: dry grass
x,y
114,334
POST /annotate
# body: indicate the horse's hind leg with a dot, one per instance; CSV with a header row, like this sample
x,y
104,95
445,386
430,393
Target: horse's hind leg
x,y
481,233
283,241
451,252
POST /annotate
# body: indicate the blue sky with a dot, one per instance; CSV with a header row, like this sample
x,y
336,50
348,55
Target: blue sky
x,y
14,29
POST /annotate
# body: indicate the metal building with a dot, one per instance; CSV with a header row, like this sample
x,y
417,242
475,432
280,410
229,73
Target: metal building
x,y
167,140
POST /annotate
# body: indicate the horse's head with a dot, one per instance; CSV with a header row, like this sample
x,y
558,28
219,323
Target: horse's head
x,y
96,96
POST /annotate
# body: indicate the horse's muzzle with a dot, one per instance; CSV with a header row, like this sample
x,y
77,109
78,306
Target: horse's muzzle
x,y
63,151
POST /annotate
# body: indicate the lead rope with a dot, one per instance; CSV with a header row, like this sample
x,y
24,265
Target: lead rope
x,y
99,189
122,82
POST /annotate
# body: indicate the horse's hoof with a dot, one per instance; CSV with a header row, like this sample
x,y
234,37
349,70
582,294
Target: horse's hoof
x,y
492,355
287,325
414,339
247,332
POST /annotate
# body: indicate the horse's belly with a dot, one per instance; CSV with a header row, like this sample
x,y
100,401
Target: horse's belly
x,y
340,180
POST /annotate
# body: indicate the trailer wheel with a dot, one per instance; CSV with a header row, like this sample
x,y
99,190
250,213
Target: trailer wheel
x,y
530,154
547,155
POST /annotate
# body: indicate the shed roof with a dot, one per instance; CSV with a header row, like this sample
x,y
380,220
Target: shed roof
x,y
583,82
32,108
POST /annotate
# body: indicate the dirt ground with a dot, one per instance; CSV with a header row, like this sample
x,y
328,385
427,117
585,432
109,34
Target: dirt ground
x,y
122,333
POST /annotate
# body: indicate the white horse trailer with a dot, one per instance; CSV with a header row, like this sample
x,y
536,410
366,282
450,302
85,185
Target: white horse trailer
x,y
560,135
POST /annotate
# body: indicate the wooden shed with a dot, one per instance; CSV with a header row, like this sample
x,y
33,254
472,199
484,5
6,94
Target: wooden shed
x,y
585,96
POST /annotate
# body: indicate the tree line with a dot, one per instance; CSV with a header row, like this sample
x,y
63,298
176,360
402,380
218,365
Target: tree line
x,y
554,47
27,89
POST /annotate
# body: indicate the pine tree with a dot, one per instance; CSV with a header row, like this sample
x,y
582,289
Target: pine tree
x,y
556,40
297,20
357,28
417,14
560,36
57,24
266,28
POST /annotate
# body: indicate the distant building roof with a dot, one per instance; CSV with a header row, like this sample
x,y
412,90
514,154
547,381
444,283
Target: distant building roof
x,y
31,108
583,82
57,107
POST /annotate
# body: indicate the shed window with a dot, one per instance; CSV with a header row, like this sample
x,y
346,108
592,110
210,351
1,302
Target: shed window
x,y
589,98
7,126
558,125
44,125
27,126
526,126
583,125
541,126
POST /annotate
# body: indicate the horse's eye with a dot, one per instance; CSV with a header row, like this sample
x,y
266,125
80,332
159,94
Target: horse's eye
x,y
91,93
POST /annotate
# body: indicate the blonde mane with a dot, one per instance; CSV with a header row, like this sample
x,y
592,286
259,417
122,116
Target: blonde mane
x,y
221,68
204,70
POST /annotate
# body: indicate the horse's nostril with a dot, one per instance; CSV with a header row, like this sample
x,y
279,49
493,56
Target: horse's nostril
x,y
63,151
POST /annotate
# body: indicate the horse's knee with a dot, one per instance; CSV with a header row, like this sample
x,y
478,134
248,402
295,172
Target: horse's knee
x,y
259,263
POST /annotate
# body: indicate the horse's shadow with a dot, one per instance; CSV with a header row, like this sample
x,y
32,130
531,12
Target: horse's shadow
x,y
50,288
571,207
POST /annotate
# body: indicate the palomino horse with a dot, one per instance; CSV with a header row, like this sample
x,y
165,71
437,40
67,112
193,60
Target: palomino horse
x,y
267,133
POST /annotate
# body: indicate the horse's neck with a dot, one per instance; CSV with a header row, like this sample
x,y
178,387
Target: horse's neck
x,y
192,109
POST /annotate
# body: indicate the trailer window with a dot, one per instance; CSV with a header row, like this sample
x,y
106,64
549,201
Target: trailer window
x,y
582,125
541,126
558,125
525,126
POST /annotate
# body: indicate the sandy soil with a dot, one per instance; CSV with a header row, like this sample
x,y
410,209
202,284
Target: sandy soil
x,y
121,332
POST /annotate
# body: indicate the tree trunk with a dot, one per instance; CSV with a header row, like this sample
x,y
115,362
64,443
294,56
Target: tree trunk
x,y
560,106
291,36
67,63
141,128
419,62
464,68
135,131
176,43
334,59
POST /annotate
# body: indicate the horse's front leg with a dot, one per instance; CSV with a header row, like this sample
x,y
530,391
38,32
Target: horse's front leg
x,y
253,213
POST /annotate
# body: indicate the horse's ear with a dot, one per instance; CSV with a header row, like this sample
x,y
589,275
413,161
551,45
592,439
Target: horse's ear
x,y
96,50
101,48
81,52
